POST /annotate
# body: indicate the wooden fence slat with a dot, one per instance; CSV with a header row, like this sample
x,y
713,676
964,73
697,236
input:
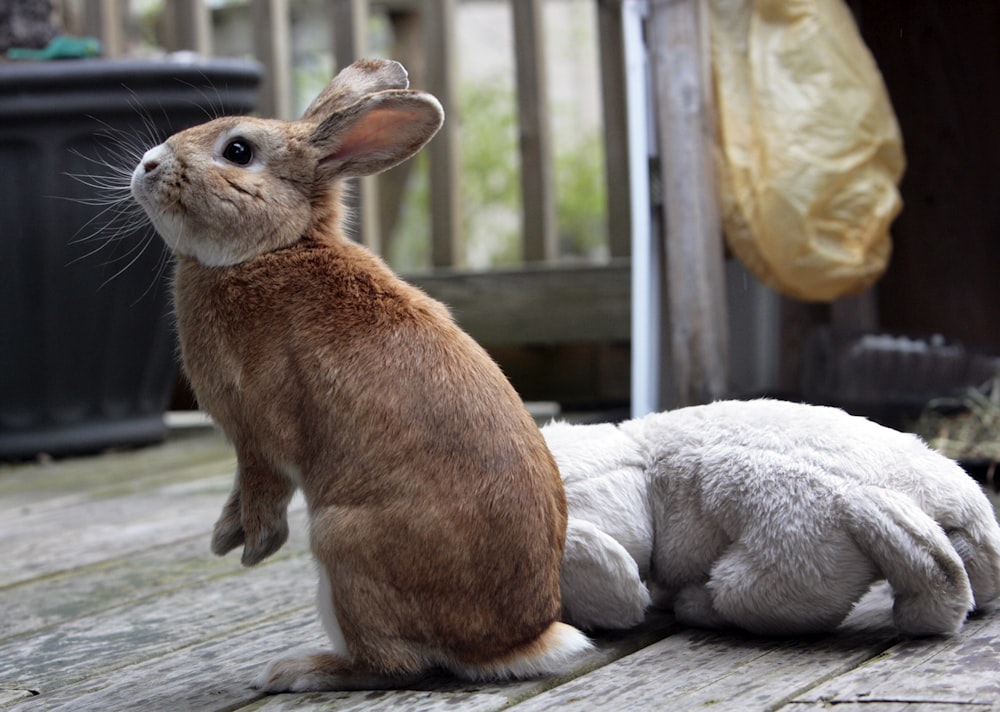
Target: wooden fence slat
x,y
407,47
443,150
271,41
695,267
191,25
537,184
615,112
349,25
103,19
537,306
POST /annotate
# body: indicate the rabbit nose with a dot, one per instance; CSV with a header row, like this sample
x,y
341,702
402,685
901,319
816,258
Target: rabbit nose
x,y
152,158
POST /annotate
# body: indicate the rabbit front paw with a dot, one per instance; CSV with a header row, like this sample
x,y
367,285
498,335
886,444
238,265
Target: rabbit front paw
x,y
262,536
261,533
228,531
227,535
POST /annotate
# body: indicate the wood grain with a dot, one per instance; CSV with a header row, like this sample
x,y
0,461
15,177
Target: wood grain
x,y
112,601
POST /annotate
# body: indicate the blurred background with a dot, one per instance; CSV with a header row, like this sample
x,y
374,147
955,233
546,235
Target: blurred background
x,y
519,214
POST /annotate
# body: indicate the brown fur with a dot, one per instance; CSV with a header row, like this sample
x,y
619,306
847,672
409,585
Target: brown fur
x,y
436,509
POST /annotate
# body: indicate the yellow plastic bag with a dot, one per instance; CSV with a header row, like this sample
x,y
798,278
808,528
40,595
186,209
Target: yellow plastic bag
x,y
810,152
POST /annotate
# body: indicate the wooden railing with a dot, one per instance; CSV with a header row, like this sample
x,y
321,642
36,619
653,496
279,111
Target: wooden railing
x,y
544,302
424,35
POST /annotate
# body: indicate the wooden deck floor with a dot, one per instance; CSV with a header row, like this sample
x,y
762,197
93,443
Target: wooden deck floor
x,y
109,600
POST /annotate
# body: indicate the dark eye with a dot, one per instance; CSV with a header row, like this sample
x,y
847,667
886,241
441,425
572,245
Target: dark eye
x,y
238,151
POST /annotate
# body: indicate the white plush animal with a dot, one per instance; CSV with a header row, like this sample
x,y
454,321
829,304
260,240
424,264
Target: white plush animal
x,y
771,516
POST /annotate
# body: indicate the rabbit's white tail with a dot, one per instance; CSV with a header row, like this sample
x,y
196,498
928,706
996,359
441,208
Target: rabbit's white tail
x,y
929,581
554,652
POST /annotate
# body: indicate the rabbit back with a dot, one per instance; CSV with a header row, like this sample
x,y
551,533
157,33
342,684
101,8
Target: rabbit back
x,y
431,490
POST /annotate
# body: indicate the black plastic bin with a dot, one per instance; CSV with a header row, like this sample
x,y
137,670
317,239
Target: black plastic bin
x,y
87,356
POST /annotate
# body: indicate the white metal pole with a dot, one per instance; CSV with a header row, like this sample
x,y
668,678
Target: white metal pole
x,y
646,280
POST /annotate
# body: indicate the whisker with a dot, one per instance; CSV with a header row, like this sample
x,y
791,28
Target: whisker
x,y
109,235
153,133
162,264
131,142
135,252
211,106
116,225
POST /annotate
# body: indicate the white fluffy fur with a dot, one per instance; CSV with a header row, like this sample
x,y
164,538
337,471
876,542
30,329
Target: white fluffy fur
x,y
771,516
328,617
556,652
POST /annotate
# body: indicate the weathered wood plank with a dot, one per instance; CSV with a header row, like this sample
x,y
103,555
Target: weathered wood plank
x,y
685,126
39,542
180,459
171,627
10,695
883,706
438,692
955,671
537,306
80,512
879,706
213,674
700,669
83,648
96,486
54,598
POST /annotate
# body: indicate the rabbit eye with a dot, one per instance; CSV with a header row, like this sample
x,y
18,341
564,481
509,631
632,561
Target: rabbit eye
x,y
238,151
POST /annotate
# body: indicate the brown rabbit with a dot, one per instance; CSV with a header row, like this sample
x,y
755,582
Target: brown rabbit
x,y
437,513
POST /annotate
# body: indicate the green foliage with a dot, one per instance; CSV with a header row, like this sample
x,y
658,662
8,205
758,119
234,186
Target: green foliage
x,y
491,199
409,249
490,185
581,200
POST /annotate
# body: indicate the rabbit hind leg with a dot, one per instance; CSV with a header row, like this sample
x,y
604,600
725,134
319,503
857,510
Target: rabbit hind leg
x,y
326,670
318,671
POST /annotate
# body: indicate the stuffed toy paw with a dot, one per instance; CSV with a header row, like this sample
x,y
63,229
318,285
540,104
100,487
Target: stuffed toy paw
x,y
770,516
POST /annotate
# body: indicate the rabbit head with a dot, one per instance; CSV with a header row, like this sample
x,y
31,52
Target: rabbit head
x,y
237,187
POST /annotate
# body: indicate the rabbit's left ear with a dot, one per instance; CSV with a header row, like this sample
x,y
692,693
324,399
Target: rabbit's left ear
x,y
375,133
366,76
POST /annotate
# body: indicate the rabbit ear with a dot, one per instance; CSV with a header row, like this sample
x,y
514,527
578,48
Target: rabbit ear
x,y
365,76
375,133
